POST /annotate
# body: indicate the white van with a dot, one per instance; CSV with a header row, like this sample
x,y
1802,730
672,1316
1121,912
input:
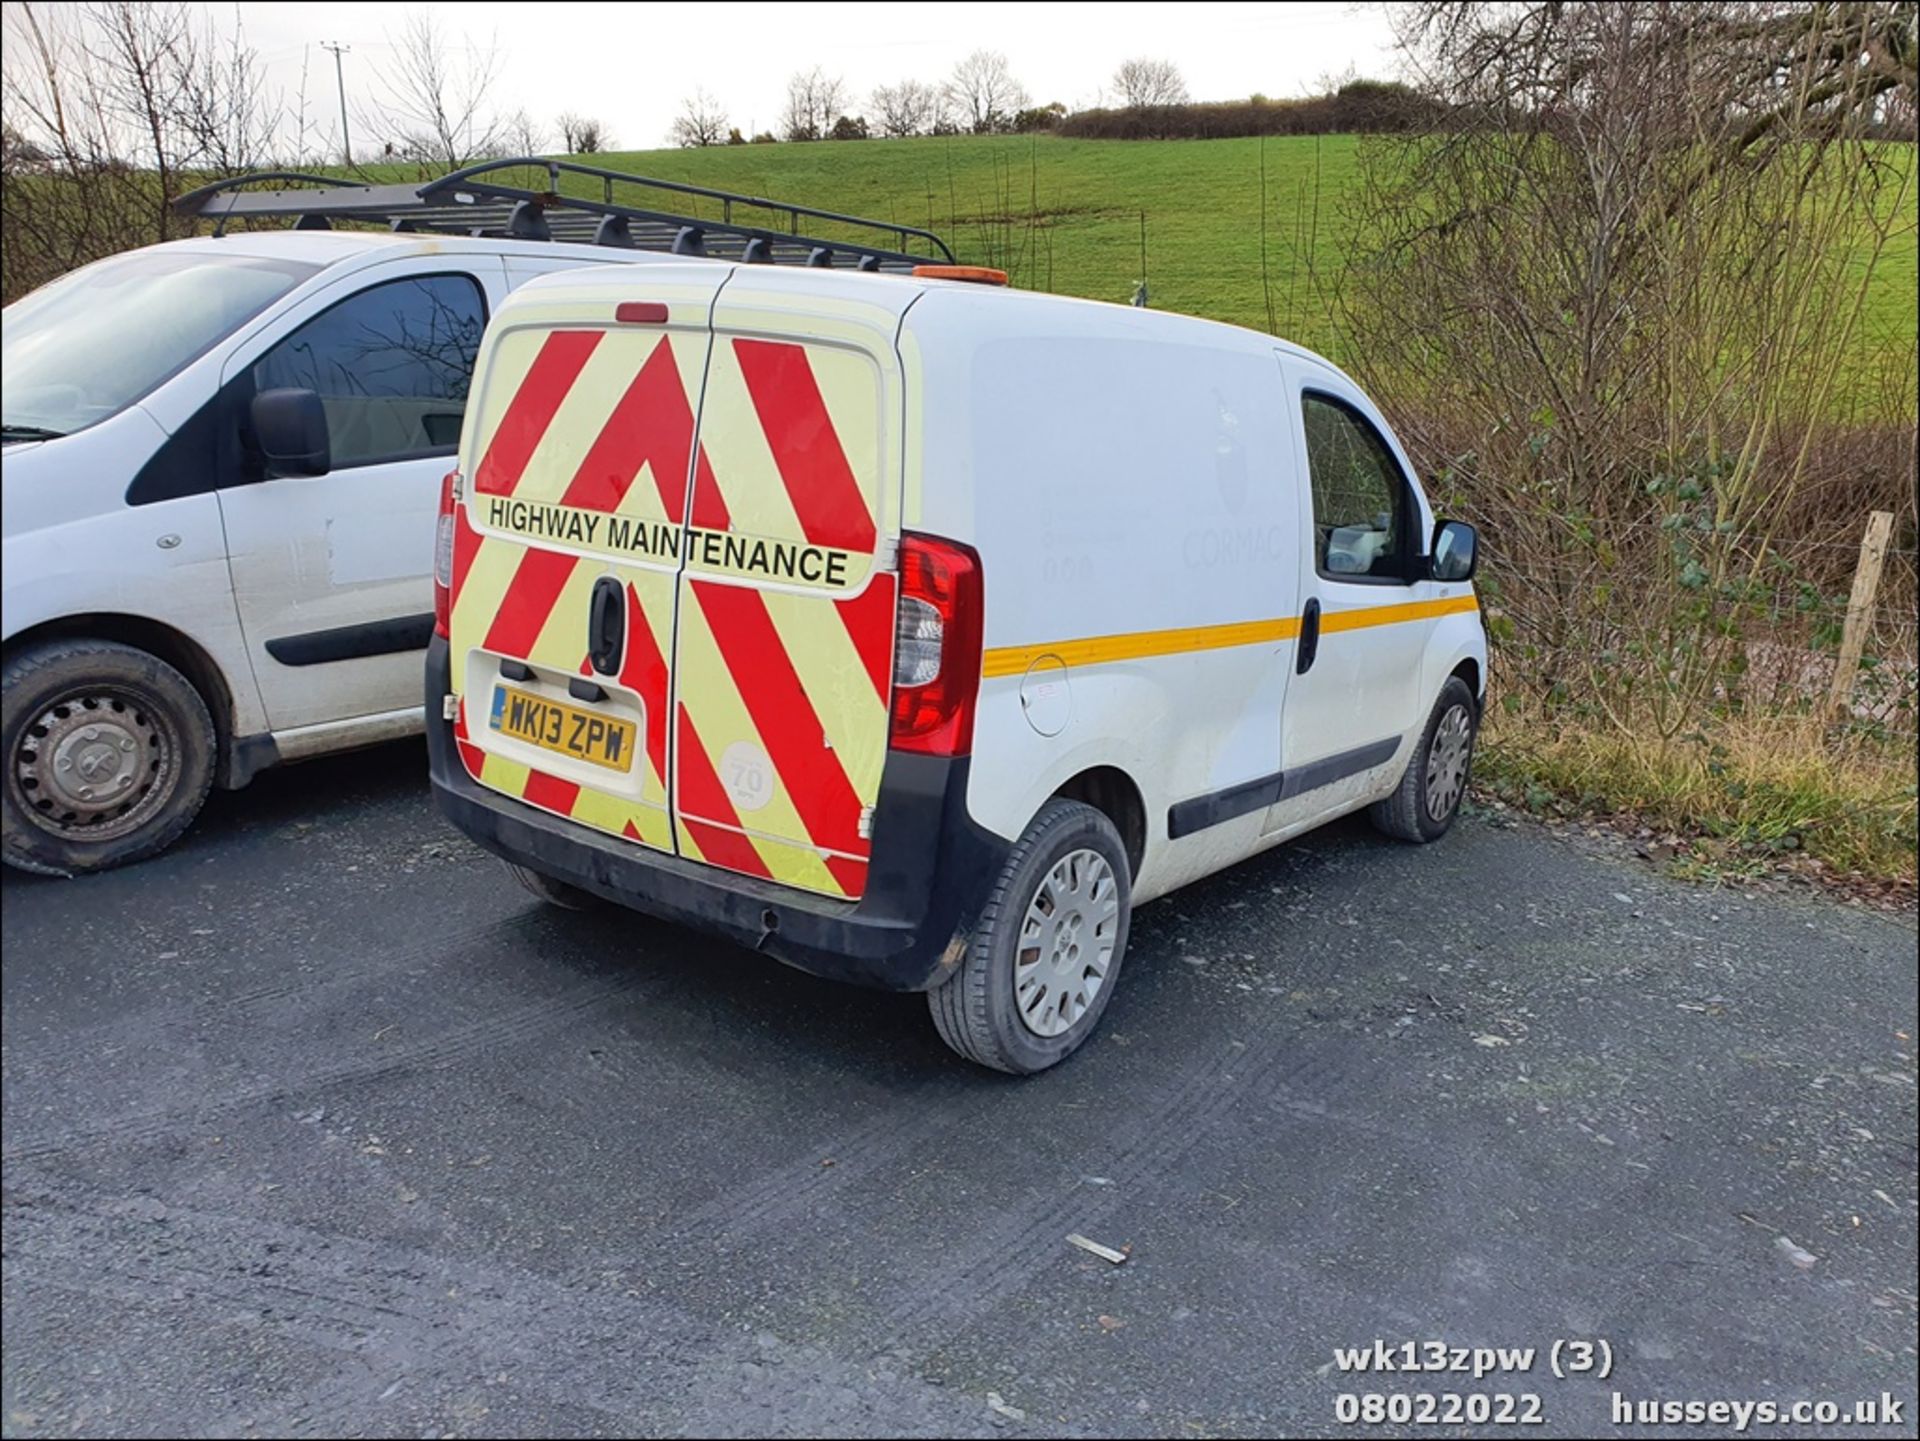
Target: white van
x,y
912,629
222,466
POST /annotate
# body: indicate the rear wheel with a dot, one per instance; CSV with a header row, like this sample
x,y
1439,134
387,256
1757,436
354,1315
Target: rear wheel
x,y
1046,954
109,755
554,893
1422,808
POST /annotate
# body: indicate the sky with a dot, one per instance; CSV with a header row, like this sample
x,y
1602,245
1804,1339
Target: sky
x,y
631,65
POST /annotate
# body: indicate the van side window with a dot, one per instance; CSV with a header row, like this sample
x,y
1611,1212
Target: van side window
x,y
391,366
1360,503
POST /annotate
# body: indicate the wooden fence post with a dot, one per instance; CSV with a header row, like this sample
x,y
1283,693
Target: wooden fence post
x,y
1866,581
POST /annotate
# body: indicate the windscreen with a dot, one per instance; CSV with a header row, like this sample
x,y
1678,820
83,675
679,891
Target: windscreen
x,y
91,343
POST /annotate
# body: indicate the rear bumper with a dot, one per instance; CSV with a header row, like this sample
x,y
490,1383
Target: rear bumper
x,y
929,874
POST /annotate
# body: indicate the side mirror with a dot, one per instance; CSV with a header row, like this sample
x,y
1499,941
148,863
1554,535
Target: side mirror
x,y
291,428
1456,548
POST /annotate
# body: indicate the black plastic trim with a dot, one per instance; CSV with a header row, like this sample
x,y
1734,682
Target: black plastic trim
x,y
1186,817
515,670
353,642
1330,769
246,757
931,869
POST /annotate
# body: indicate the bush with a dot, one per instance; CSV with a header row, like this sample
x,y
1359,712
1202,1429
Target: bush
x,y
1040,117
1358,107
849,127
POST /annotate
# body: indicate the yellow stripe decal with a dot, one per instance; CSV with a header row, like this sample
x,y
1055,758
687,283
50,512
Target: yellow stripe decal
x,y
1334,620
1105,649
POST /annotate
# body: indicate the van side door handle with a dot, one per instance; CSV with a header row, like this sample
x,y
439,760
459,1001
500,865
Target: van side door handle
x,y
1309,646
606,625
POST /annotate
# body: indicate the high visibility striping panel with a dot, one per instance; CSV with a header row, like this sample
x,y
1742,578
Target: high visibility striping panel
x,y
710,697
550,793
784,714
869,621
563,354
649,428
834,676
537,582
805,444
702,794
644,668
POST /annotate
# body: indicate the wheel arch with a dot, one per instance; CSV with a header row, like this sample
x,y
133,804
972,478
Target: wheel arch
x,y
1113,793
1469,671
173,646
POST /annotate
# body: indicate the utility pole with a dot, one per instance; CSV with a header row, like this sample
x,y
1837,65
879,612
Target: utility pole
x,y
346,143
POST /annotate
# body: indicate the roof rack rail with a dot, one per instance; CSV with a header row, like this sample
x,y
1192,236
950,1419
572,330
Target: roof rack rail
x,y
477,201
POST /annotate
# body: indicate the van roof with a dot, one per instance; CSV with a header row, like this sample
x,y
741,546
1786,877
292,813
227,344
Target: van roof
x,y
337,247
973,313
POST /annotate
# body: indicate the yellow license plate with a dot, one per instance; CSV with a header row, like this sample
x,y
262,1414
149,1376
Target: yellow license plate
x,y
602,740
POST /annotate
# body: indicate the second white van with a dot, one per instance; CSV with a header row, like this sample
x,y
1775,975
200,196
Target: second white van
x,y
912,630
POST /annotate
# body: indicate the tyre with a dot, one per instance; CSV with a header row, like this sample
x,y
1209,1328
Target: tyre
x,y
1428,797
109,754
554,893
1046,954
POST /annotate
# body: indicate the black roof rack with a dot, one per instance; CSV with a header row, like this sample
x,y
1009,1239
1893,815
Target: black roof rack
x,y
476,201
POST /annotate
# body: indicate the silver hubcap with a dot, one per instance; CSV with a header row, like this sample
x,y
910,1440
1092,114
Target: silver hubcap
x,y
1447,765
95,764
1066,943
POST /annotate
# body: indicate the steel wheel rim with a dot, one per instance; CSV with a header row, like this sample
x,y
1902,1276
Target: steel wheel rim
x,y
1067,937
1447,763
95,763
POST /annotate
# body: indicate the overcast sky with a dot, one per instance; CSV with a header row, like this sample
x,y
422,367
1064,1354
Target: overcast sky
x,y
630,65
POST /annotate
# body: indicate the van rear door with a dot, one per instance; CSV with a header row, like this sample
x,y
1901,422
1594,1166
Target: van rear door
x,y
786,598
568,544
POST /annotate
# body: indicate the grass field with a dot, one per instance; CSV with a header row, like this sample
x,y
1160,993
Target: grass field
x,y
1065,215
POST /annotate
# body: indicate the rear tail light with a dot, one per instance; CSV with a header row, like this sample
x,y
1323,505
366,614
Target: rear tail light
x,y
936,650
443,556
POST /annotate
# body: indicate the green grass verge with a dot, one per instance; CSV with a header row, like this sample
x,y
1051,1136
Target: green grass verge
x,y
1747,798
1065,215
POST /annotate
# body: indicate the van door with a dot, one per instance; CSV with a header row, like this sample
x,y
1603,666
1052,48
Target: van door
x,y
1365,611
786,606
577,462
333,574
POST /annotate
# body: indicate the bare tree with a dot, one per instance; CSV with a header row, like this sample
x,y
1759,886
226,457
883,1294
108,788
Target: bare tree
x,y
1602,287
985,93
909,108
225,108
520,134
1143,82
434,96
142,56
583,135
702,121
814,100
119,107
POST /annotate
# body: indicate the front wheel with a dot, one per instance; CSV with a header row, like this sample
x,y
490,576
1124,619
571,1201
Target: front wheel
x,y
1428,797
109,754
1046,954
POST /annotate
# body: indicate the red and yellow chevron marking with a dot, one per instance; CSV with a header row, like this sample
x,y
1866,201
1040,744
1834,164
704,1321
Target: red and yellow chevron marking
x,y
774,726
787,686
600,421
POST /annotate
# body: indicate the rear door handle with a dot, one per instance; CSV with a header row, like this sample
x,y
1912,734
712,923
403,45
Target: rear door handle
x,y
606,625
1309,646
